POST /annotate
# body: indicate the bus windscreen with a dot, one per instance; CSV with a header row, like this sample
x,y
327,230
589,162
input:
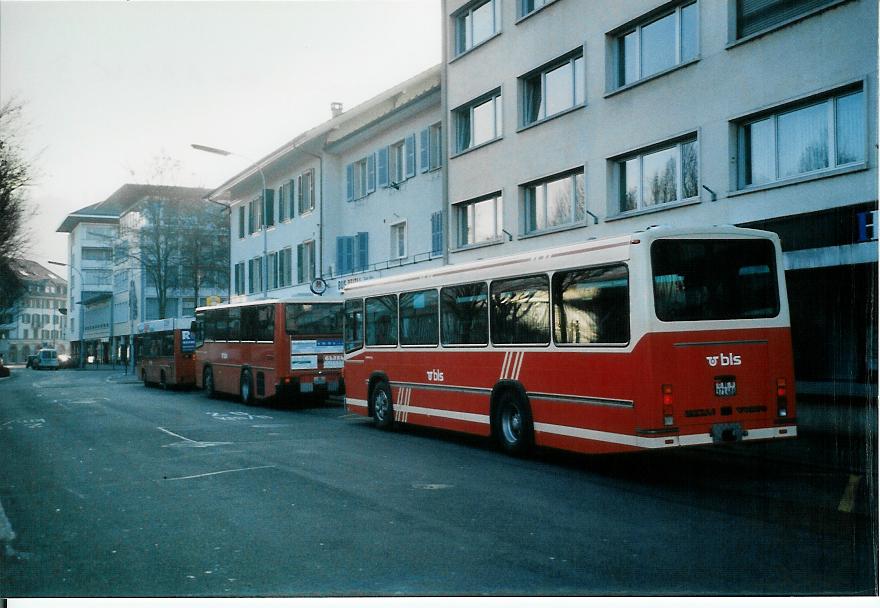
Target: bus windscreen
x,y
313,319
704,280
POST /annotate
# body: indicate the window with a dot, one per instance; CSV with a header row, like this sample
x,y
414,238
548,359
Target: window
x,y
436,233
285,262
257,323
702,280
381,317
239,278
361,177
419,318
241,222
97,254
305,262
591,306
312,319
255,275
255,216
398,241
464,315
430,148
353,328
659,176
657,45
269,207
189,307
475,24
478,122
521,311
530,6
814,137
286,201
559,201
553,89
273,270
306,191
757,15
396,162
478,221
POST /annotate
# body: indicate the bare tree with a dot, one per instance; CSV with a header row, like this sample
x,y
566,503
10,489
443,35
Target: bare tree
x,y
15,178
204,250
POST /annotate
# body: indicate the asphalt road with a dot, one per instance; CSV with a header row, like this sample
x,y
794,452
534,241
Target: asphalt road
x,y
114,489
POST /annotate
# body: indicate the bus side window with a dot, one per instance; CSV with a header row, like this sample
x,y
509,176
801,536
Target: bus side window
x,y
265,323
167,344
418,318
198,327
354,325
381,317
464,315
521,310
591,305
234,332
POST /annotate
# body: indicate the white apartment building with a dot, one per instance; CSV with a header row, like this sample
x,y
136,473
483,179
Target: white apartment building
x,y
359,196
577,119
34,321
110,289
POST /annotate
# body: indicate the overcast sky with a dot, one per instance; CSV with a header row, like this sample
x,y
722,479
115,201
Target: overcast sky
x,y
110,87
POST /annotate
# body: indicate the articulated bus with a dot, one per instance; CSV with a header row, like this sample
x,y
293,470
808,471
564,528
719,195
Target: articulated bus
x,y
659,339
165,352
258,350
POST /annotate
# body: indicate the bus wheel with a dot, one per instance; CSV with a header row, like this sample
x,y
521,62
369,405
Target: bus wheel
x,y
208,382
380,401
163,383
247,388
513,424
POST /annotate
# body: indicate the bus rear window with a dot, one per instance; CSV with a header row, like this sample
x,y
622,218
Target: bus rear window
x,y
313,319
704,280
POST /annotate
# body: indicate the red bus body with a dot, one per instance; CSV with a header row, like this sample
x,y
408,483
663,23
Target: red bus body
x,y
672,384
277,363
165,353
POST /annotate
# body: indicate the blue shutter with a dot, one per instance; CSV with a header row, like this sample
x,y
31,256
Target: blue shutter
x,y
241,222
269,213
382,167
349,182
291,200
437,233
410,151
371,173
340,255
424,150
362,250
300,275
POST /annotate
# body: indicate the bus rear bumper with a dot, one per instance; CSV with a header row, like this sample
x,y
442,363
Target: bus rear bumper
x,y
317,385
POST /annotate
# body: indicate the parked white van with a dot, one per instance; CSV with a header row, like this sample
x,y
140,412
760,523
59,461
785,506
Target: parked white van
x,y
47,358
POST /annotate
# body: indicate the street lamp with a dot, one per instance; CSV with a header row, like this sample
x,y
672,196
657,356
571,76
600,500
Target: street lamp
x,y
81,309
265,262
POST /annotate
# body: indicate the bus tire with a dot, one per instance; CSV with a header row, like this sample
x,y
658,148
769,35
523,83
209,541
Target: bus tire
x,y
512,424
246,387
163,382
381,405
208,382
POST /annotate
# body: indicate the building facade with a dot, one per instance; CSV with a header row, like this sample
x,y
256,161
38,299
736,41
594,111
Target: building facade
x,y
135,257
357,197
571,120
37,319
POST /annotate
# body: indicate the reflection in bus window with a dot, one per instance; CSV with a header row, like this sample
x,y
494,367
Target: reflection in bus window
x,y
234,325
418,318
700,280
591,306
521,311
381,321
313,319
354,325
464,316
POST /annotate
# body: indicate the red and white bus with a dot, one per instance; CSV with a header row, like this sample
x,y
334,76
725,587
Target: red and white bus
x,y
164,350
658,339
257,350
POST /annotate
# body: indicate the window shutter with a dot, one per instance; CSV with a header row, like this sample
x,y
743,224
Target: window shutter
x,y
382,167
437,233
362,251
299,192
340,255
251,217
269,198
282,208
410,151
756,15
300,271
424,150
291,200
241,222
349,182
311,188
371,173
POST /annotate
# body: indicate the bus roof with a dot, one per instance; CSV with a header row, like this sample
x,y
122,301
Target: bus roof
x,y
290,300
606,250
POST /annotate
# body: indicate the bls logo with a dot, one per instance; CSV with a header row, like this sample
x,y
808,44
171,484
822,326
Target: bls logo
x,y
435,375
725,360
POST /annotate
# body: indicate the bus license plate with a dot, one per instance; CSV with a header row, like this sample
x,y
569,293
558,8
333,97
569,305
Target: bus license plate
x,y
725,387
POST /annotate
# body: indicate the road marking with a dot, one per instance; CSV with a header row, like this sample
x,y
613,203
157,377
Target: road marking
x,y
191,443
847,501
268,466
176,435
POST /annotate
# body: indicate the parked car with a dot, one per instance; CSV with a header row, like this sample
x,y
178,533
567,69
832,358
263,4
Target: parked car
x,y
4,371
47,358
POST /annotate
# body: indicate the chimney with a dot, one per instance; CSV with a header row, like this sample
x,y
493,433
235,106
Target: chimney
x,y
336,108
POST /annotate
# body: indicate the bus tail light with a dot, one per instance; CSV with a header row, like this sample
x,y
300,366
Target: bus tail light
x,y
781,398
667,405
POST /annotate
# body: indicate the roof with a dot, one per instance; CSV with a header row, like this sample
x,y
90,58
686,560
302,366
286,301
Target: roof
x,y
29,270
115,205
346,124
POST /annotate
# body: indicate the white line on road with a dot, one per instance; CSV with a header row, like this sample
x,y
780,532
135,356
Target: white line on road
x,y
176,435
268,466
